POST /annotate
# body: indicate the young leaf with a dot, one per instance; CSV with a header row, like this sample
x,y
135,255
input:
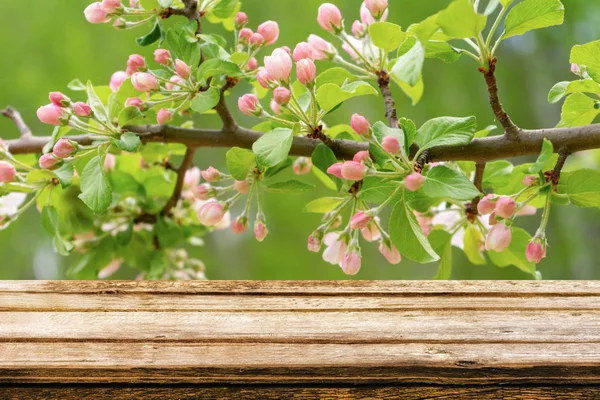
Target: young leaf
x,y
377,190
441,242
415,93
183,45
578,110
239,162
129,142
217,67
545,155
273,147
323,158
330,95
386,36
381,130
288,187
205,101
473,241
65,174
96,192
323,205
589,55
445,182
128,115
446,131
582,187
50,223
497,174
409,66
460,20
97,105
562,89
407,235
515,254
533,14
151,37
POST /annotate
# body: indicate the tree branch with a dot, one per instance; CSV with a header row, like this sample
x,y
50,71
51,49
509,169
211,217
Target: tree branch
x,y
471,208
186,164
554,175
13,114
511,131
390,105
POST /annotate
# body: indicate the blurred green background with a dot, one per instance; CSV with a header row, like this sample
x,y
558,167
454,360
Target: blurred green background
x,y
48,42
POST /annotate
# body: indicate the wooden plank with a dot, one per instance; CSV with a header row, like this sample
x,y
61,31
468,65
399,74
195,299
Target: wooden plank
x,y
304,393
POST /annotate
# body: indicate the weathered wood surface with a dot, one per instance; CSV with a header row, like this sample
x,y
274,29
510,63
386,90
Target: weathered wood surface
x,y
518,340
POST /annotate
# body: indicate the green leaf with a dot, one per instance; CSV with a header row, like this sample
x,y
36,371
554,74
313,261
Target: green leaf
x,y
151,37
409,129
218,67
409,66
377,190
273,171
497,174
386,36
485,132
491,7
65,175
533,14
239,162
273,147
336,75
96,192
441,242
50,223
323,158
183,44
204,101
545,155
165,3
445,182
129,142
129,114
407,235
578,110
323,205
330,95
446,131
562,89
460,20
588,55
582,187
168,232
76,85
224,8
442,51
381,130
288,187
473,242
97,105
415,93
515,254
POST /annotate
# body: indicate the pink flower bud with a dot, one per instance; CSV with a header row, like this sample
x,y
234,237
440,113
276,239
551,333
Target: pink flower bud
x,y
95,14
526,210
260,230
336,248
353,171
120,23
192,177
7,172
256,40
367,18
134,3
245,35
175,83
306,71
279,65
376,7
360,125
391,253
360,220
575,69
351,52
252,64
59,99
134,102
110,6
336,170
82,110
362,156
282,95
182,69
162,56
276,108
269,31
163,116
211,174
263,78
249,104
240,225
505,207
117,79
529,180
351,263
303,50
242,187
499,238
302,166
314,243
211,213
51,114
391,144
135,63
65,148
371,232
487,204
50,161
330,18
535,252
109,162
359,29
414,181
241,19
425,222
322,49
204,192
492,219
144,82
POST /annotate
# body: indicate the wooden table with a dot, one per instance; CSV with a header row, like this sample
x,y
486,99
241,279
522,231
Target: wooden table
x,y
274,340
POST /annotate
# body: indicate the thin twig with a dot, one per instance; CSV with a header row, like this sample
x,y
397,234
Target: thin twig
x,y
186,164
390,105
471,208
13,114
554,175
229,124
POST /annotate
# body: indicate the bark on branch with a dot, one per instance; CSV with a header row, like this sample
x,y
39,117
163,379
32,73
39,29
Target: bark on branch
x,y
186,164
390,105
13,114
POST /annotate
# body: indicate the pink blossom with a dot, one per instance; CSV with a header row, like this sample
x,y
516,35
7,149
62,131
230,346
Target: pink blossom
x,y
256,40
175,83
134,102
303,50
376,7
269,31
144,82
391,144
110,6
306,71
353,171
336,248
163,116
260,230
505,207
82,110
65,148
252,64
526,210
351,52
535,252
7,172
360,220
241,19
330,17
51,114
282,95
204,192
322,49
242,187
117,79
279,65
245,35
575,69
59,99
359,29
249,104
182,69
276,108
239,225
136,63
499,238
192,177
302,166
109,162
487,204
366,16
314,243
414,181
95,14
351,263
360,125
50,161
529,180
391,253
362,156
263,77
211,213
211,174
162,56
371,232
336,170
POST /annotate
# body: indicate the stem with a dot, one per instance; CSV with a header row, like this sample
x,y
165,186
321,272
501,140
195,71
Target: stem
x,y
488,42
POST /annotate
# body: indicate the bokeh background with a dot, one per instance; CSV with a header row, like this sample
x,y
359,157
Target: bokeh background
x,y
46,43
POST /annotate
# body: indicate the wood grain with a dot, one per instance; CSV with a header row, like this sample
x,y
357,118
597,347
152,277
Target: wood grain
x,y
300,339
